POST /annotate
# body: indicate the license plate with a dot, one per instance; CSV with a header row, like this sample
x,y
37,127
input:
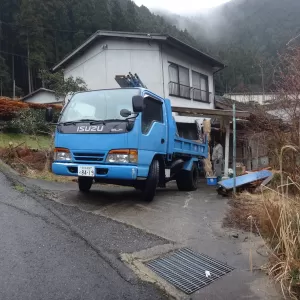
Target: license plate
x,y
86,171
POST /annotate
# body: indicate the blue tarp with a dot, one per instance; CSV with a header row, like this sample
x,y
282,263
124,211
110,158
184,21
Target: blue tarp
x,y
245,179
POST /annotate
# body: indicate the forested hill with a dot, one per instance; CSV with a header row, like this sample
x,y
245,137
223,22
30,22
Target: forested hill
x,y
247,35
46,30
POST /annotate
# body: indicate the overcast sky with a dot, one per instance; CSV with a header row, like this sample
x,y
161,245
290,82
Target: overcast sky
x,y
181,6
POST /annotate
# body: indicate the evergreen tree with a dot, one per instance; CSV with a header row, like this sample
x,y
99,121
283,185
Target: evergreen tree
x,y
118,22
132,22
101,18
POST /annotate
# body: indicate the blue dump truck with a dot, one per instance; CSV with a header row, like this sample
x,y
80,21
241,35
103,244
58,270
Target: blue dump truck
x,y
124,136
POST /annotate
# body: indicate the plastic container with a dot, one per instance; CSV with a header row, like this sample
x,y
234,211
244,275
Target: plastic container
x,y
212,180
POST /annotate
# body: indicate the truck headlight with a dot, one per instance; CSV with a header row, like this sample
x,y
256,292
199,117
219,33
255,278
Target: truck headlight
x,y
61,154
122,156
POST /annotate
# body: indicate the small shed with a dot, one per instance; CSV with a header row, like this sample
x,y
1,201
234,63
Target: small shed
x,y
42,96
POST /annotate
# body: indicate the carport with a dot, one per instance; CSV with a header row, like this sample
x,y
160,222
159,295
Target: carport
x,y
226,117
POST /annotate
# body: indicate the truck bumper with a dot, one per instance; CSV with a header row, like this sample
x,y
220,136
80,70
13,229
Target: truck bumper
x,y
122,172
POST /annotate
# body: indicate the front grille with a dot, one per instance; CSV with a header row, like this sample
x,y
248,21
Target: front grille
x,y
89,157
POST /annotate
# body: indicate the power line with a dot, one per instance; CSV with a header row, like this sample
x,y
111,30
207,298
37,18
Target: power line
x,y
25,56
41,27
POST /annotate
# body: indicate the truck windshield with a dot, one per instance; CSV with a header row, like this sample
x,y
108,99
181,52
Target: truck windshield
x,y
99,105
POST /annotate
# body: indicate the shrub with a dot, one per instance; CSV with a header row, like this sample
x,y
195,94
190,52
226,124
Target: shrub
x,y
29,121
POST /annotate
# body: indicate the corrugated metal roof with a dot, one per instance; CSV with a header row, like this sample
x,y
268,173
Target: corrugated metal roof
x,y
41,90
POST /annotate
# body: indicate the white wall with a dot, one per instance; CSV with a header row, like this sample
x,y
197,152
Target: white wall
x,y
43,97
110,57
98,67
260,98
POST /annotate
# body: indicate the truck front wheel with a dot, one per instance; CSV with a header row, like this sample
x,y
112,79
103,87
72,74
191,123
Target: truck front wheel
x,y
85,184
187,180
151,183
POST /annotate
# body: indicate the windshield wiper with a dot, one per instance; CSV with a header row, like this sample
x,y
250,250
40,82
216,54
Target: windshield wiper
x,y
95,122
91,121
67,123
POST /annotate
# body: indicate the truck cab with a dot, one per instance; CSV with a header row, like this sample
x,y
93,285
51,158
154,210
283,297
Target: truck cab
x,y
123,136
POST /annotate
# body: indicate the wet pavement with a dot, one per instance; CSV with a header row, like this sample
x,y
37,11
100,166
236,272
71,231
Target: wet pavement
x,y
192,219
45,256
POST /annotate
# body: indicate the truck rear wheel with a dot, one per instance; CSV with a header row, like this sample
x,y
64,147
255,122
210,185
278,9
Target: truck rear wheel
x,y
85,184
151,183
187,180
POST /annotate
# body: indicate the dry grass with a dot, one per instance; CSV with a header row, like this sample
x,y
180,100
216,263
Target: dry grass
x,y
276,217
30,163
48,176
35,142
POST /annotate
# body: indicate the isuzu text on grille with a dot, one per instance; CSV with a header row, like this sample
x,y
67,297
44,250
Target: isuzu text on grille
x,y
90,128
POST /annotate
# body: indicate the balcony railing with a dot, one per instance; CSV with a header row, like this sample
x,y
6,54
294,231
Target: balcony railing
x,y
201,95
187,92
179,90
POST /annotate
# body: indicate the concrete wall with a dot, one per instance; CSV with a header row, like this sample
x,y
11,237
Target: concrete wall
x,y
260,98
43,97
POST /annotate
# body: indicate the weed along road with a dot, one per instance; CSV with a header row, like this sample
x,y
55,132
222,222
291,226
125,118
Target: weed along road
x,y
44,256
57,243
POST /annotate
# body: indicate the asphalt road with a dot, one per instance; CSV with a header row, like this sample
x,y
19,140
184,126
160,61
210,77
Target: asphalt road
x,y
44,256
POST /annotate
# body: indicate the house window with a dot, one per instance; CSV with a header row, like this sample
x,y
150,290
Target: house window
x,y
179,84
200,87
153,112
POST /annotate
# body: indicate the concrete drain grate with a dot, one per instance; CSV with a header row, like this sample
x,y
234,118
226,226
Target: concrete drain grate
x,y
189,271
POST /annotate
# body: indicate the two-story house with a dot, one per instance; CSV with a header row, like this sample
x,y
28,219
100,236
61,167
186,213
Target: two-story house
x,y
167,66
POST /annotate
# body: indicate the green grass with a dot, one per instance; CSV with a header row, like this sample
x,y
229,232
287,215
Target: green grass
x,y
20,188
39,142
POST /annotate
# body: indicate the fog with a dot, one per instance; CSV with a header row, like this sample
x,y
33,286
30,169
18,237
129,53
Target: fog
x,y
187,7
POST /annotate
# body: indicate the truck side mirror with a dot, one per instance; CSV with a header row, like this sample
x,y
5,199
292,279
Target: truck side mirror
x,y
138,103
49,114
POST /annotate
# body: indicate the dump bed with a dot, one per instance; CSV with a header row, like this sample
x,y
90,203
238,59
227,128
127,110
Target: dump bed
x,y
191,148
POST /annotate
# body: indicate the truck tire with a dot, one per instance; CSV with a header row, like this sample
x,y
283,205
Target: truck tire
x,y
187,180
151,183
84,184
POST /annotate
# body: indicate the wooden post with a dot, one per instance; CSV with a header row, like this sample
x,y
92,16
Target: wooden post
x,y
234,148
227,138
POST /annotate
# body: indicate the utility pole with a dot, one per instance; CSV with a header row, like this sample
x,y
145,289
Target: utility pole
x,y
13,75
234,147
56,51
0,52
263,82
28,63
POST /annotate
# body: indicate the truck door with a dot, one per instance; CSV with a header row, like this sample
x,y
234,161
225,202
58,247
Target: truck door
x,y
154,126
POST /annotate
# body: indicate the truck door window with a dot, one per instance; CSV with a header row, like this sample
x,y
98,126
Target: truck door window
x,y
153,112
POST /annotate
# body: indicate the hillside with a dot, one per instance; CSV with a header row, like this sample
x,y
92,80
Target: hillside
x,y
247,35
47,30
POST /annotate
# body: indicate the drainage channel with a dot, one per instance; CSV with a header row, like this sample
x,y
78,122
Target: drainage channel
x,y
189,271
